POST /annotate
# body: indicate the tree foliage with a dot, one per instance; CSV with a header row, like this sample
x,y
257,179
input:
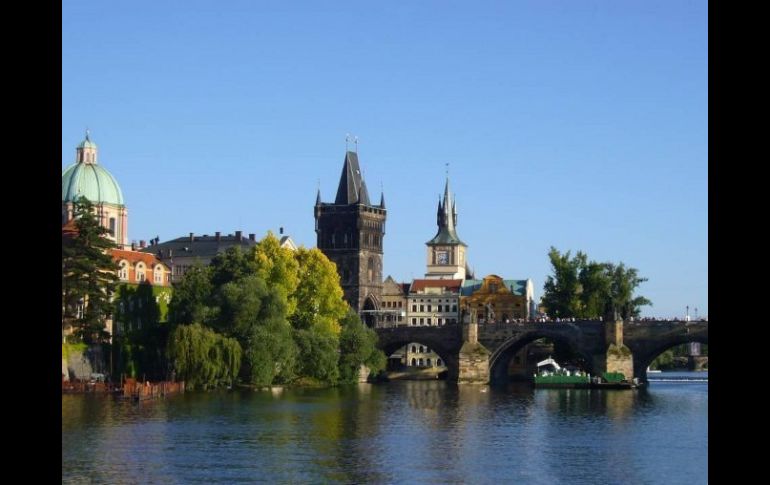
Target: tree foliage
x,y
358,346
203,358
88,275
284,309
587,289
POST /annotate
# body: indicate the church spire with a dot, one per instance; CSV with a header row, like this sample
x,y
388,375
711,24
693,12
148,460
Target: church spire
x,y
446,219
352,189
86,151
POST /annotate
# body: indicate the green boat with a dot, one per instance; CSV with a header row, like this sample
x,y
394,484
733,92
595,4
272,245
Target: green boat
x,y
551,375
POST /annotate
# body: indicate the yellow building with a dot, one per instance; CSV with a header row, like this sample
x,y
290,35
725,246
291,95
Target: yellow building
x,y
497,300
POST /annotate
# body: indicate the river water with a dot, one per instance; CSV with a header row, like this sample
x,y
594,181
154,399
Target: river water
x,y
398,432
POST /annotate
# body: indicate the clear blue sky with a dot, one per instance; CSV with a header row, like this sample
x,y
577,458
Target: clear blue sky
x,y
581,125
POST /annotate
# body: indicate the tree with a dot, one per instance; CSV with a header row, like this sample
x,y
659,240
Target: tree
x,y
588,289
203,358
88,275
562,290
191,300
358,346
277,267
319,297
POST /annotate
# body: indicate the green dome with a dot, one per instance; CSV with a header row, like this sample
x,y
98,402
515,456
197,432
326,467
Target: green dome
x,y
92,181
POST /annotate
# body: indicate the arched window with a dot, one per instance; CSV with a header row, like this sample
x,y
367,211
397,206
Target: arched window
x,y
438,362
112,226
158,275
413,349
414,362
123,271
422,349
428,362
140,276
422,363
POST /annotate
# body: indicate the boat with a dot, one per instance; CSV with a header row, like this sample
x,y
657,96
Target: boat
x,y
551,375
559,377
653,371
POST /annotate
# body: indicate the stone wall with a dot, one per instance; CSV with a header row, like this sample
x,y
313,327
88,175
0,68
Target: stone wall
x,y
474,364
80,365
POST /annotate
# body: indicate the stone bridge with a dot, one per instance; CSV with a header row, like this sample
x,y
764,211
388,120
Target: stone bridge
x,y
476,353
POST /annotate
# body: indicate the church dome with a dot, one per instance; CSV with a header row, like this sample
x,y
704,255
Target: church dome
x,y
89,179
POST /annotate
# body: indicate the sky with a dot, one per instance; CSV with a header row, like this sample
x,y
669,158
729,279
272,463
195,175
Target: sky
x,y
579,125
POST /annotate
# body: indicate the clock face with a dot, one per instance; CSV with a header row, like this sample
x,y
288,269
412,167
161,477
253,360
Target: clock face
x,y
442,257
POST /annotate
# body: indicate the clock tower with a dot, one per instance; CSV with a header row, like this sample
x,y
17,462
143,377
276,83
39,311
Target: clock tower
x,y
446,252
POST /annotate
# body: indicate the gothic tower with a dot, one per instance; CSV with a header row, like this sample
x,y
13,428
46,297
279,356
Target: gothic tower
x,y
350,233
446,252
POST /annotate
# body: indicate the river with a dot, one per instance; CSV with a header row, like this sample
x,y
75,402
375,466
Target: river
x,y
398,432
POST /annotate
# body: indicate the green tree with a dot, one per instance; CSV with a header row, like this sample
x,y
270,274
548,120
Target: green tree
x,y
191,300
277,267
562,290
318,355
88,275
255,314
319,297
358,346
588,289
203,358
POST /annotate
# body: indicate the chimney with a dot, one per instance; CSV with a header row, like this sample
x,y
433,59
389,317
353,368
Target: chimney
x,y
237,235
280,230
133,245
252,237
192,237
218,236
142,243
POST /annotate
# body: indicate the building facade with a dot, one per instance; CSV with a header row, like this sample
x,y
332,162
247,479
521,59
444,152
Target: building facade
x,y
143,291
394,303
433,302
87,178
350,232
497,300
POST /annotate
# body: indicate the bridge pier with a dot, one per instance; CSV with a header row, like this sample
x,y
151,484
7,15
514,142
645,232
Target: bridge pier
x,y
617,357
473,358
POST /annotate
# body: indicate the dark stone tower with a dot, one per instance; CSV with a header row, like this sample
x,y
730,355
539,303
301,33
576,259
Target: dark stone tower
x,y
350,233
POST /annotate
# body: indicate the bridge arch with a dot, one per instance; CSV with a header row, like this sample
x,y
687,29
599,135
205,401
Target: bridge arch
x,y
644,357
370,308
501,358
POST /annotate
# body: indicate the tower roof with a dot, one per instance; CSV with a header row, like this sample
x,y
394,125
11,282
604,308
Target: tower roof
x,y
446,218
352,188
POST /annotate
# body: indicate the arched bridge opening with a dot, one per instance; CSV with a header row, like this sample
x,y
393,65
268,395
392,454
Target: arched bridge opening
x,y
643,357
500,361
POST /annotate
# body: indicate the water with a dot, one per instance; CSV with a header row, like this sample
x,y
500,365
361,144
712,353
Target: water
x,y
400,432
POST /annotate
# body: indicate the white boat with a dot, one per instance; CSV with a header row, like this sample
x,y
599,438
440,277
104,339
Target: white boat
x,y
653,371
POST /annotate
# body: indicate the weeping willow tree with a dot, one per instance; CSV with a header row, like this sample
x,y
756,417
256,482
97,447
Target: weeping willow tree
x,y
203,358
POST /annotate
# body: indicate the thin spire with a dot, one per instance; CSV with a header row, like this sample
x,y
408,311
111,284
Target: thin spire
x,y
88,134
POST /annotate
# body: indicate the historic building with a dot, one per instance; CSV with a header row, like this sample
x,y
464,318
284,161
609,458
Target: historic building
x,y
394,303
182,253
86,177
350,232
433,302
446,252
497,300
143,291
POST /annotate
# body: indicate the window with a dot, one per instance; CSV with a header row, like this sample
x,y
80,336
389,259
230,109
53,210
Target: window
x,y
422,308
123,271
158,274
112,226
422,362
414,308
414,321
438,361
430,308
438,321
422,349
414,362
429,321
428,361
140,272
441,308
422,321
414,349
454,308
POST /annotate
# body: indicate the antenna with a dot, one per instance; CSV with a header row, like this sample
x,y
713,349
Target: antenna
x,y
355,140
347,140
447,169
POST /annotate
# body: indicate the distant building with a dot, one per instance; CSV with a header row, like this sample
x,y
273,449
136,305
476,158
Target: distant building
x,y
180,254
394,303
497,300
433,302
88,179
446,252
350,232
143,291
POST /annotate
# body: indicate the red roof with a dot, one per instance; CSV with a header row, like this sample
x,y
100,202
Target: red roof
x,y
135,256
419,285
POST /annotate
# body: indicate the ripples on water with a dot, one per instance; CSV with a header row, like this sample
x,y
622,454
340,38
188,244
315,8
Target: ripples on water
x,y
400,432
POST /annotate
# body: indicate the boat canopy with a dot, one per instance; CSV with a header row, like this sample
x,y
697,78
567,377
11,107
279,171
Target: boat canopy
x,y
548,361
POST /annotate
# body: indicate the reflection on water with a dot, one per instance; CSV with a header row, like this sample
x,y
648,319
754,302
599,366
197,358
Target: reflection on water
x,y
404,431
